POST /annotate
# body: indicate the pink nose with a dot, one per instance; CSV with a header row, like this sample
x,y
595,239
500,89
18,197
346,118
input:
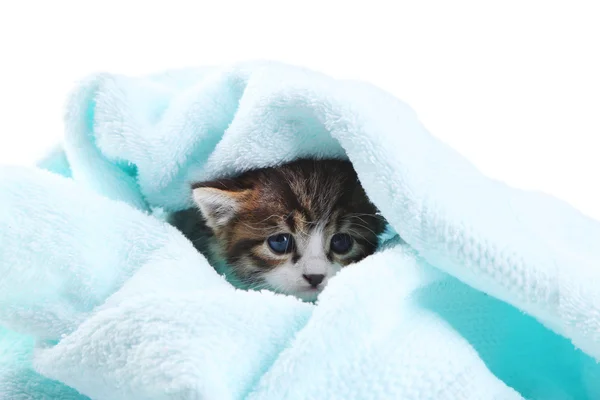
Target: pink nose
x,y
314,279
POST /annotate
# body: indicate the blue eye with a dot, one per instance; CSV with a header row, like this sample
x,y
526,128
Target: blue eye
x,y
341,243
282,243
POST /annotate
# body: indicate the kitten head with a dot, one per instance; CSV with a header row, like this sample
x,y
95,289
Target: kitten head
x,y
290,228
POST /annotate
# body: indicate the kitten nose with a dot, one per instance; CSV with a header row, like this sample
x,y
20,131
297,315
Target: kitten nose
x,y
314,279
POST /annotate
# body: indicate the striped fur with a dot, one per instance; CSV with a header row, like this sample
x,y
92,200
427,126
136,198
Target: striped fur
x,y
309,199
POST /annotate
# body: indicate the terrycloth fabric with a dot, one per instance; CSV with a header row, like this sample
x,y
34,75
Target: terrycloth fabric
x,y
494,295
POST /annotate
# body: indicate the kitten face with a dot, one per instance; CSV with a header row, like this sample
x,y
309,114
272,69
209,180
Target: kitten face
x,y
289,229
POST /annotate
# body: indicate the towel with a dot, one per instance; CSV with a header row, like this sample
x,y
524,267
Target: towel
x,y
484,292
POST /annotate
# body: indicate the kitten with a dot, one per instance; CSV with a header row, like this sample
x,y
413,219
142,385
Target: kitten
x,y
288,229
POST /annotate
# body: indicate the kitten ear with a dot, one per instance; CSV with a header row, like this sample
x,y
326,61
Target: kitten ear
x,y
218,206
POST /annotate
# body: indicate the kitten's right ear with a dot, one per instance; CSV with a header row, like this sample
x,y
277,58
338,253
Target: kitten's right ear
x,y
218,205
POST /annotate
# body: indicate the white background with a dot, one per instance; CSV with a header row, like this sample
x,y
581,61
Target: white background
x,y
513,85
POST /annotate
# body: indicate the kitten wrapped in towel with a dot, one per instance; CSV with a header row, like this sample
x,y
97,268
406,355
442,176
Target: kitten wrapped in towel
x,y
288,228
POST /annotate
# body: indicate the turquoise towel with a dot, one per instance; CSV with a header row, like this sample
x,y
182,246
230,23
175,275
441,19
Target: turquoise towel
x,y
492,295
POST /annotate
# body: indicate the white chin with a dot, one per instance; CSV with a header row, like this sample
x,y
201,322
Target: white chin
x,y
287,280
307,294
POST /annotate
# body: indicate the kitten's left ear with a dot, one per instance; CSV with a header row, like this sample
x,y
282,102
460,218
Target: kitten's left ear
x,y
218,203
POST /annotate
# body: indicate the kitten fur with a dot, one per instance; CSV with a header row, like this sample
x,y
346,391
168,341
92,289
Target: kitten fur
x,y
309,201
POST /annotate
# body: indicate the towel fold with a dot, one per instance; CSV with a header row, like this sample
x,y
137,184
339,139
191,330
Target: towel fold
x,y
491,294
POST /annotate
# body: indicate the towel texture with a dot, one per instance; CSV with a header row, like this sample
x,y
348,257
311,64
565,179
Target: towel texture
x,y
492,294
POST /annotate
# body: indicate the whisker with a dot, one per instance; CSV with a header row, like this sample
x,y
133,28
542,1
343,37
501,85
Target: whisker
x,y
361,236
268,231
379,216
365,227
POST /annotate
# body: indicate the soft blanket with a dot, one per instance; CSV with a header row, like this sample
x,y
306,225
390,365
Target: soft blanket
x,y
492,294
